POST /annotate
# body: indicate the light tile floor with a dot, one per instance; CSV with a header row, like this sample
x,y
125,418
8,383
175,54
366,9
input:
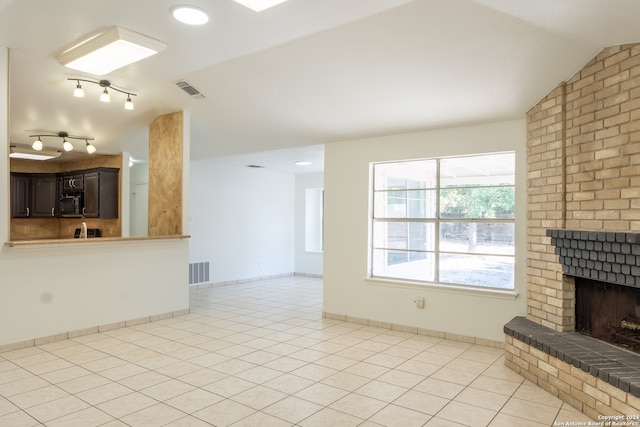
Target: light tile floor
x,y
260,354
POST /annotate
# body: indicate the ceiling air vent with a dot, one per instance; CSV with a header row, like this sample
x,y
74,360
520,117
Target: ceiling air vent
x,y
189,89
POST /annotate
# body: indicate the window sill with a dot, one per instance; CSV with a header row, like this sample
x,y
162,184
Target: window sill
x,y
452,289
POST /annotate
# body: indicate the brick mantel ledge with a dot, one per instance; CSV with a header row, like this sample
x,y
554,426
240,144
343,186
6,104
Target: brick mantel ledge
x,y
605,256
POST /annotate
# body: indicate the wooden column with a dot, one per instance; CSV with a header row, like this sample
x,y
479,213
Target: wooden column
x,y
165,174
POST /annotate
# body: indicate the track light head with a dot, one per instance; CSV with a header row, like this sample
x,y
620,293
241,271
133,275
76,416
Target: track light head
x,y
90,148
66,145
104,97
128,105
37,144
78,92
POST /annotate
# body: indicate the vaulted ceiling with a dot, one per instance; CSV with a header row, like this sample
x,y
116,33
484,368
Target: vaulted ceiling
x,y
306,72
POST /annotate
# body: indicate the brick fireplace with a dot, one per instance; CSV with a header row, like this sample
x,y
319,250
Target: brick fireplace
x,y
583,177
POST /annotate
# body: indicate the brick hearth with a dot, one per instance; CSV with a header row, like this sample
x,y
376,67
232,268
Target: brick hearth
x,y
590,375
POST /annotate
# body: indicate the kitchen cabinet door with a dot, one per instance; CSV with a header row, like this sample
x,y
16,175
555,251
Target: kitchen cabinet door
x,y
101,193
43,195
91,195
20,195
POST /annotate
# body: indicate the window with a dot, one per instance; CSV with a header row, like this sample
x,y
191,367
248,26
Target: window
x,y
313,219
448,220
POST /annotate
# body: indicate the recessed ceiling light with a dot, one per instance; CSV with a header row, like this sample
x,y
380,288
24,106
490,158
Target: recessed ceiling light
x,y
113,48
190,15
303,163
259,5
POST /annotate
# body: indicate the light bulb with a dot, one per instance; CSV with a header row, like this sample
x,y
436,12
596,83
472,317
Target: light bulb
x,y
104,97
37,144
66,145
78,92
90,148
128,105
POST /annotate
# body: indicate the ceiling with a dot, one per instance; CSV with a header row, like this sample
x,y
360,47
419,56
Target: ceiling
x,y
281,83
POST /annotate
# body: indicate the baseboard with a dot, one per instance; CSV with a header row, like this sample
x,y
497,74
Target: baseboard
x,y
91,330
414,330
252,279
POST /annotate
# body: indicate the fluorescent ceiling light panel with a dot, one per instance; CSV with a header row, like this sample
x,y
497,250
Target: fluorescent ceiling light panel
x,y
259,5
29,154
109,50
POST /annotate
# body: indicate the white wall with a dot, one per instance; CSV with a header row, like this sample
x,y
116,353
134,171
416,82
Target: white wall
x,y
306,262
52,289
242,221
346,288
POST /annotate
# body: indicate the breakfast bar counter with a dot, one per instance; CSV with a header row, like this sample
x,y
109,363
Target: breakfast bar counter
x,y
39,242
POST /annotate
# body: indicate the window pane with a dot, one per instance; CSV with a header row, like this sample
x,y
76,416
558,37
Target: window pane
x,y
477,270
405,265
490,169
405,204
405,175
417,236
477,237
479,202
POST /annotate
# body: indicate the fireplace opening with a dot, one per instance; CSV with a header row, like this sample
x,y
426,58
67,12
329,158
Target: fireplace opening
x,y
609,312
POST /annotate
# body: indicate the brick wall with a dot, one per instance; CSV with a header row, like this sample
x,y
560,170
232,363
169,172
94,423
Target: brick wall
x,y
583,149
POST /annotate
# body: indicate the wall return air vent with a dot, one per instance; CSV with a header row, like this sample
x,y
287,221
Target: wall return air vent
x,y
189,89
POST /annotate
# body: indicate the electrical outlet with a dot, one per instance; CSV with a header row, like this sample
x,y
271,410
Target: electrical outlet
x,y
419,302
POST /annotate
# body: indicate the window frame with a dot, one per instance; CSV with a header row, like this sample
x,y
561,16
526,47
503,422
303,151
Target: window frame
x,y
437,221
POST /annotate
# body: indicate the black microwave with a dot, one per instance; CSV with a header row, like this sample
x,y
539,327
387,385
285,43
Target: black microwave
x,y
70,205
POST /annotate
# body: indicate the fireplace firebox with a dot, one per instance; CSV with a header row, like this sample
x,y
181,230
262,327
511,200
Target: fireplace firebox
x,y
609,312
606,269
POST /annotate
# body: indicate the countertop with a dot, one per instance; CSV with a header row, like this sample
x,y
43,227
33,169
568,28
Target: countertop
x,y
14,243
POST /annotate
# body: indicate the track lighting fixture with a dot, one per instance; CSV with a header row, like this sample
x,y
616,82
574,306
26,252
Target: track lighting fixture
x,y
66,145
104,96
